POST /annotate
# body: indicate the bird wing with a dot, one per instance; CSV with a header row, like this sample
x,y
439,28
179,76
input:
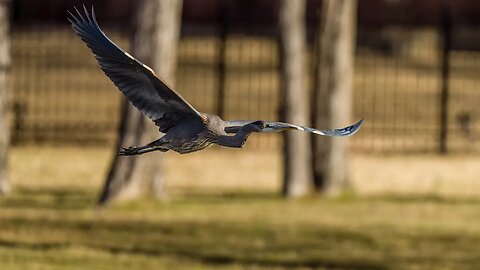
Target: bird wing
x,y
136,81
234,126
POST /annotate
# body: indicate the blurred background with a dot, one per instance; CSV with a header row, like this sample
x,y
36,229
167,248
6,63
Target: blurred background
x,y
404,194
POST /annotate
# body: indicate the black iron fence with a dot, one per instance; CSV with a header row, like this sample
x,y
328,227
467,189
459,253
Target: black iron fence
x,y
416,86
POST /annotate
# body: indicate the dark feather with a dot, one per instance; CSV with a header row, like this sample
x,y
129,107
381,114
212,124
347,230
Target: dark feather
x,y
135,80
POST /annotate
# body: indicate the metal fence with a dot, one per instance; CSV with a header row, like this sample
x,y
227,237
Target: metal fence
x,y
413,84
58,92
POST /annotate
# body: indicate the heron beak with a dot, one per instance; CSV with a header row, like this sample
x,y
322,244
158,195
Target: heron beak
x,y
276,127
268,130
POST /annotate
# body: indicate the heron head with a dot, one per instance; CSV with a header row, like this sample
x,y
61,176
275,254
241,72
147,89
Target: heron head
x,y
259,125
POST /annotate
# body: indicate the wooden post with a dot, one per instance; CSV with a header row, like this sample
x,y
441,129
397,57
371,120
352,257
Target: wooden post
x,y
297,145
156,42
4,69
333,92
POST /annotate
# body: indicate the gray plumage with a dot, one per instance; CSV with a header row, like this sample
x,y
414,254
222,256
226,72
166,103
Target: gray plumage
x,y
186,129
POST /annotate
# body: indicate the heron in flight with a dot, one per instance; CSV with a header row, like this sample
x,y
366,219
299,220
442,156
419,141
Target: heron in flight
x,y
186,129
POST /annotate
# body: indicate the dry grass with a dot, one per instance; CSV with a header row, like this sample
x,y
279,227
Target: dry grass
x,y
454,175
221,170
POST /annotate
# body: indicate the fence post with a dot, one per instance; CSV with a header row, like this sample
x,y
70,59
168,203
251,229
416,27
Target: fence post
x,y
446,30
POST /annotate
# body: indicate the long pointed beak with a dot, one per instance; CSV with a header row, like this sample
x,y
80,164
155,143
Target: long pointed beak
x,y
278,127
338,132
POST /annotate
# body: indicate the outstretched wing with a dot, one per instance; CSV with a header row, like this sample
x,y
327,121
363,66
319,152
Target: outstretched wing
x,y
135,80
234,126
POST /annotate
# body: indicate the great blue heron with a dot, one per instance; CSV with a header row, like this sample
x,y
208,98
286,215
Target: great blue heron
x,y
186,129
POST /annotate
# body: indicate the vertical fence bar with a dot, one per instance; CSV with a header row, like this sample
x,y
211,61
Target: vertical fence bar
x,y
446,25
221,65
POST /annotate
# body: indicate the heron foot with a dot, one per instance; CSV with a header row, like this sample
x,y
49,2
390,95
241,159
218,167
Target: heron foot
x,y
129,151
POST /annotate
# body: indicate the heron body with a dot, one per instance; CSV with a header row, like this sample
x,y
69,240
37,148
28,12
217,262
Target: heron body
x,y
186,129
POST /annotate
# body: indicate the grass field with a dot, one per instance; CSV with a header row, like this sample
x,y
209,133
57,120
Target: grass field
x,y
236,220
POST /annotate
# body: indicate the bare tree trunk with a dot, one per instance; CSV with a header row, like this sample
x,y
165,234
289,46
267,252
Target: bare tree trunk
x,y
4,125
334,92
155,44
297,145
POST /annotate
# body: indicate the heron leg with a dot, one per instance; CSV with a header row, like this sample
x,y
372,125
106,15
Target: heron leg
x,y
150,147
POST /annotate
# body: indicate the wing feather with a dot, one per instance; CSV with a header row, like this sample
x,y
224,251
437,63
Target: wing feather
x,y
138,82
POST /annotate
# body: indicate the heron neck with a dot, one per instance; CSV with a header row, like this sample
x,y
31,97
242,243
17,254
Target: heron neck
x,y
238,140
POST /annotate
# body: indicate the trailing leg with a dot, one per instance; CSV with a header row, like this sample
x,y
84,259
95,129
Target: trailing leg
x,y
158,145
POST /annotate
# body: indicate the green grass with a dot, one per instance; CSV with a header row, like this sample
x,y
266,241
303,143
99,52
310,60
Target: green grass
x,y
49,221
56,228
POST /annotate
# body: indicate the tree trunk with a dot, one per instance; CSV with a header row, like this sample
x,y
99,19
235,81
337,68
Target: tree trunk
x,y
4,67
295,104
155,44
333,92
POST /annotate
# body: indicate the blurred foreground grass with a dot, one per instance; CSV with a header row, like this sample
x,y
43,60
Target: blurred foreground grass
x,y
49,221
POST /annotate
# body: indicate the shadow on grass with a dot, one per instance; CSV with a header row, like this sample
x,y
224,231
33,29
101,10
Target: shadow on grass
x,y
207,239
32,246
424,198
49,198
227,259
238,196
207,242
